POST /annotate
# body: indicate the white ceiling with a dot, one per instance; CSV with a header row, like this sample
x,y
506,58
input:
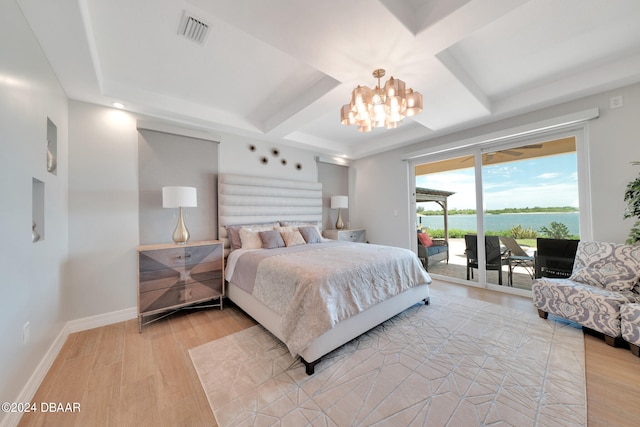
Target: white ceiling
x,y
281,69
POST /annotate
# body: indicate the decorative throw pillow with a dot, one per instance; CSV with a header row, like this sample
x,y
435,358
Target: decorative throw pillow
x,y
310,234
611,266
271,239
293,238
234,232
425,239
250,237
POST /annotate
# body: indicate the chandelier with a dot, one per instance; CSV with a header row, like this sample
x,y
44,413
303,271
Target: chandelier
x,y
380,107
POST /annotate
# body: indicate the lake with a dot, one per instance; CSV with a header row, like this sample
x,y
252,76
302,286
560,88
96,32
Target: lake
x,y
504,221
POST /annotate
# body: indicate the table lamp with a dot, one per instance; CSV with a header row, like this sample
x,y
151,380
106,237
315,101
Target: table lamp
x,y
339,202
180,197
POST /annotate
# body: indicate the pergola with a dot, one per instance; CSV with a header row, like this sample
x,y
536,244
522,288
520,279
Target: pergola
x,y
439,197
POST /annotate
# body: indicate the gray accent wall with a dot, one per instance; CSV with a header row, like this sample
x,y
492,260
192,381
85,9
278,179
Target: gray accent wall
x,y
167,159
335,182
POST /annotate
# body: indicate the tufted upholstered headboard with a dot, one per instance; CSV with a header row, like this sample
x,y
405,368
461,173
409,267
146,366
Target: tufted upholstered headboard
x,y
246,199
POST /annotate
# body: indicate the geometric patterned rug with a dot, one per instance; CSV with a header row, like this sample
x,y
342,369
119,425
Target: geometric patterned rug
x,y
455,362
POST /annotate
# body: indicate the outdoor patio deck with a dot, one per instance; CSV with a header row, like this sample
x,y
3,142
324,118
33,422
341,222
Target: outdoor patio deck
x,y
457,267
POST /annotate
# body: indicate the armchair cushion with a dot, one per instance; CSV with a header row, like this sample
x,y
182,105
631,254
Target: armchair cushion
x,y
425,239
611,266
436,249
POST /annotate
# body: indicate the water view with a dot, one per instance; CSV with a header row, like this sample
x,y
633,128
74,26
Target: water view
x,y
504,221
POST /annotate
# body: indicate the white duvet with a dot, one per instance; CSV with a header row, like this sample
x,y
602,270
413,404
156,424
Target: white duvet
x,y
313,287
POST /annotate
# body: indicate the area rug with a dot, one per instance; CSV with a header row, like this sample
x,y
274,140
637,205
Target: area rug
x,y
455,362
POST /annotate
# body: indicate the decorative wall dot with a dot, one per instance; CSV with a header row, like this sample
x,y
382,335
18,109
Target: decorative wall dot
x,y
298,166
275,152
284,162
252,147
264,160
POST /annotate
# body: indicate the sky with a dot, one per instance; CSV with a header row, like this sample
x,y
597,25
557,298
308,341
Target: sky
x,y
538,182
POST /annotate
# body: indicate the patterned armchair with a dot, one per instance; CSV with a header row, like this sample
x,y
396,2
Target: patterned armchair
x,y
605,276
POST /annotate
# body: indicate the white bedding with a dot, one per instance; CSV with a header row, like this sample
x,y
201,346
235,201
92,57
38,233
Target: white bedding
x,y
313,287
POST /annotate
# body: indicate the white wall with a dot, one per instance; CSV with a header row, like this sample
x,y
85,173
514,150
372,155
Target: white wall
x,y
381,185
31,284
235,157
103,210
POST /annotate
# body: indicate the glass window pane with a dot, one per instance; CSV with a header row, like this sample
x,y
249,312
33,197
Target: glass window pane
x,y
445,209
529,192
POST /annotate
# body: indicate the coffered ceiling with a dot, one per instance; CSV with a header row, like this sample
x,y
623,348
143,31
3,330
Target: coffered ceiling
x,y
280,70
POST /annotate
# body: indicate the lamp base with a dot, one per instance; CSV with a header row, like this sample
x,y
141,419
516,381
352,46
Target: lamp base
x,y
181,234
339,222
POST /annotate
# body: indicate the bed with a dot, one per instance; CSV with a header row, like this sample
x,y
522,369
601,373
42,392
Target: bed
x,y
289,289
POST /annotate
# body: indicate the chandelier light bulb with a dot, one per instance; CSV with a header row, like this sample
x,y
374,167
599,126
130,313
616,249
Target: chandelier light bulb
x,y
384,106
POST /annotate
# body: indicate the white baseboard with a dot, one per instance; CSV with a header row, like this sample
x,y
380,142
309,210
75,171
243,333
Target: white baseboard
x,y
29,390
26,395
99,320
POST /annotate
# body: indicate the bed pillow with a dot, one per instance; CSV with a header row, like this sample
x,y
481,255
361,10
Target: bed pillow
x,y
271,239
250,237
310,234
299,223
293,238
234,232
425,239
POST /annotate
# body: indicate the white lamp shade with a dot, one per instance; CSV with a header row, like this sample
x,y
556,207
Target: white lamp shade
x,y
177,197
339,202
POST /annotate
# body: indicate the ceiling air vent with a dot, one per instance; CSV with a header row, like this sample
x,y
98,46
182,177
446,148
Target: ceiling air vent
x,y
193,28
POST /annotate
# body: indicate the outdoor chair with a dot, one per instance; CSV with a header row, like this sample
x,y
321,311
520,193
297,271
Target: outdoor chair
x,y
431,251
554,257
493,252
518,257
604,278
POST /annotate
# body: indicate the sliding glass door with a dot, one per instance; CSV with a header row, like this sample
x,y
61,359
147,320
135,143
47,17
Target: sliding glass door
x,y
525,191
529,192
445,212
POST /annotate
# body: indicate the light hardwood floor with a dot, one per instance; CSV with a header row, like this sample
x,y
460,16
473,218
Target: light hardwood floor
x,y
123,378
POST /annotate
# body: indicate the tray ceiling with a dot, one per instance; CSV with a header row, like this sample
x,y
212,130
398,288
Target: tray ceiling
x,y
280,70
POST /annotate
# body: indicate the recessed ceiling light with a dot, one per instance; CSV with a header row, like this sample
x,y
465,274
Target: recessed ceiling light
x,y
118,105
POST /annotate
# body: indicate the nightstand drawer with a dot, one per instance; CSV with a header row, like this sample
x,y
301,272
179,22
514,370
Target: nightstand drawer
x,y
200,256
173,296
160,279
200,291
346,235
204,257
355,236
160,299
161,259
